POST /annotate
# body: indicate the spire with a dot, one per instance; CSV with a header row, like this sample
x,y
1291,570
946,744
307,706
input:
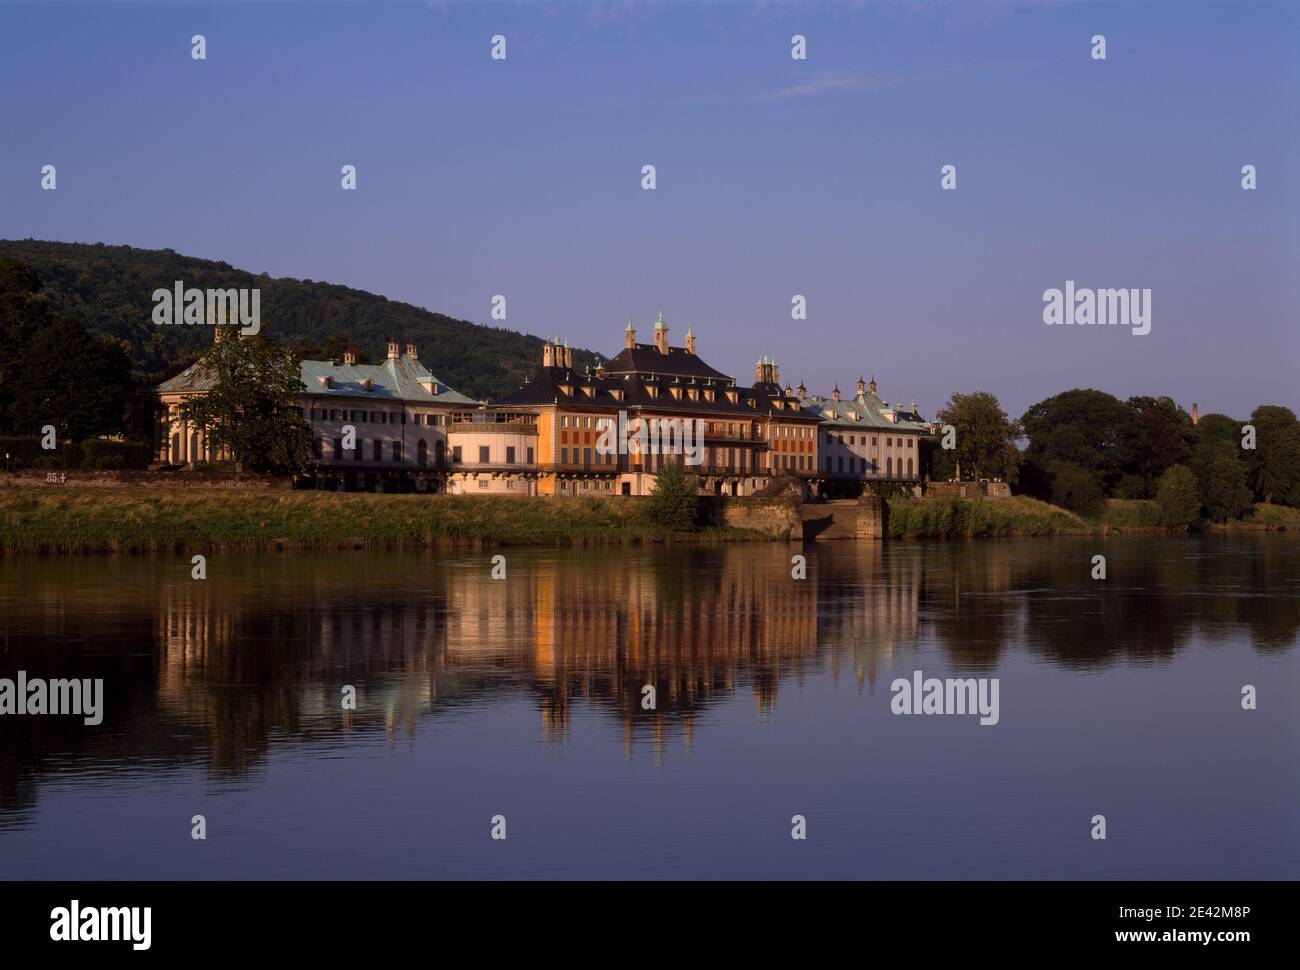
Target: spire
x,y
661,334
690,339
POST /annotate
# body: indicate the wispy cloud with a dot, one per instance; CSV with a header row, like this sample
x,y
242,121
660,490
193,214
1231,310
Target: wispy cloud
x,y
831,83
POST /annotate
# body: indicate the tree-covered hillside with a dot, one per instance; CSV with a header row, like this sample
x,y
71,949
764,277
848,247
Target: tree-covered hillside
x,y
109,289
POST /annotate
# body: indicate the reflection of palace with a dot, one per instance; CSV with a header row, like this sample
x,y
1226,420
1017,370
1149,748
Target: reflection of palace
x,y
260,657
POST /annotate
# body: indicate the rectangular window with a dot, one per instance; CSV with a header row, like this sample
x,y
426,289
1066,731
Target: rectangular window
x,y
397,451
338,448
455,454
483,454
378,450
564,456
530,456
510,456
586,457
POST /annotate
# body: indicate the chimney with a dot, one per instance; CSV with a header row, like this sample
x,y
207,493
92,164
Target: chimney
x,y
392,350
759,375
548,354
803,391
629,335
872,385
410,352
567,353
350,358
835,394
1195,416
776,372
690,340
661,334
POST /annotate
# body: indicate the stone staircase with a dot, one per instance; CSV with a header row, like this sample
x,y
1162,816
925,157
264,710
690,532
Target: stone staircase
x,y
829,520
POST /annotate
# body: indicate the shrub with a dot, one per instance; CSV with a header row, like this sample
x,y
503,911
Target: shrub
x,y
674,503
1177,501
103,453
1077,489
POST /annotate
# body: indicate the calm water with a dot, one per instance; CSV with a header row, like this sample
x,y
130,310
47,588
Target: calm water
x,y
522,698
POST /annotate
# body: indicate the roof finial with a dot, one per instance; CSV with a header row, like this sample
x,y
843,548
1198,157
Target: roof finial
x,y
629,323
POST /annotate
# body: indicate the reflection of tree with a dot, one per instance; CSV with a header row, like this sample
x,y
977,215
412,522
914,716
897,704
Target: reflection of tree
x,y
968,596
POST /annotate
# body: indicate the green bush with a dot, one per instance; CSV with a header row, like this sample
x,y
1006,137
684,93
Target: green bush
x,y
101,453
1077,489
1177,500
675,500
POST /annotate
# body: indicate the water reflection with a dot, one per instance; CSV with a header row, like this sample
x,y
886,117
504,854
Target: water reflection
x,y
218,672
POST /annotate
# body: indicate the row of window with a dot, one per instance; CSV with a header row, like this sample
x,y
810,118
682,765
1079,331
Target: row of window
x,y
889,442
862,465
376,417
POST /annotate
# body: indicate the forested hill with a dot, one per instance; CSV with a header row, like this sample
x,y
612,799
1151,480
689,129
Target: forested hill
x,y
109,289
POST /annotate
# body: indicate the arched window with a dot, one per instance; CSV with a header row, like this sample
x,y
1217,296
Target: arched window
x,y
440,454
175,456
889,468
909,468
422,453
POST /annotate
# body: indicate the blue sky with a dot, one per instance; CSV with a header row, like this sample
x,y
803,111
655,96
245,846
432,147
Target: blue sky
x,y
775,177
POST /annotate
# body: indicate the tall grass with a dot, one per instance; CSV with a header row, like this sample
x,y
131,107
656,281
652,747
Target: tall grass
x,y
69,519
955,518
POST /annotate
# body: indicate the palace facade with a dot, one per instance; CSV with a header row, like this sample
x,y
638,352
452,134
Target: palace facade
x,y
408,431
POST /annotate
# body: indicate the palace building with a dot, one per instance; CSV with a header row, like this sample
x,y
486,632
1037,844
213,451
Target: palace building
x,y
750,434
864,439
400,415
408,431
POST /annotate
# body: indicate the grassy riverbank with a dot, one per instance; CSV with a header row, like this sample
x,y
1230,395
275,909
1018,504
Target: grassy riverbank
x,y
1020,516
73,519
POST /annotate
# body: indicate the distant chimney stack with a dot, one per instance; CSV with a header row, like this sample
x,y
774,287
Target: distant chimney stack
x,y
350,357
392,350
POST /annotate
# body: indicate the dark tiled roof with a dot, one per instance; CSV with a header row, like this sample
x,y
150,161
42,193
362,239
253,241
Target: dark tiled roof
x,y
678,362
545,388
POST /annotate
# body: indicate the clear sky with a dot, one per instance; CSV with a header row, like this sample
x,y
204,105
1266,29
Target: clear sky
x,y
775,177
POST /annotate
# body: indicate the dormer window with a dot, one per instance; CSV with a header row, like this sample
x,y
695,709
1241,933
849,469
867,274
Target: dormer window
x,y
326,382
732,396
676,392
589,391
566,390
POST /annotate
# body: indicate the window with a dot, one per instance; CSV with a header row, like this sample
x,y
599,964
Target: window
x,y
338,447
482,483
455,455
510,456
317,445
564,456
484,454
889,442
564,420
397,451
530,456
909,468
586,457
378,450
422,453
